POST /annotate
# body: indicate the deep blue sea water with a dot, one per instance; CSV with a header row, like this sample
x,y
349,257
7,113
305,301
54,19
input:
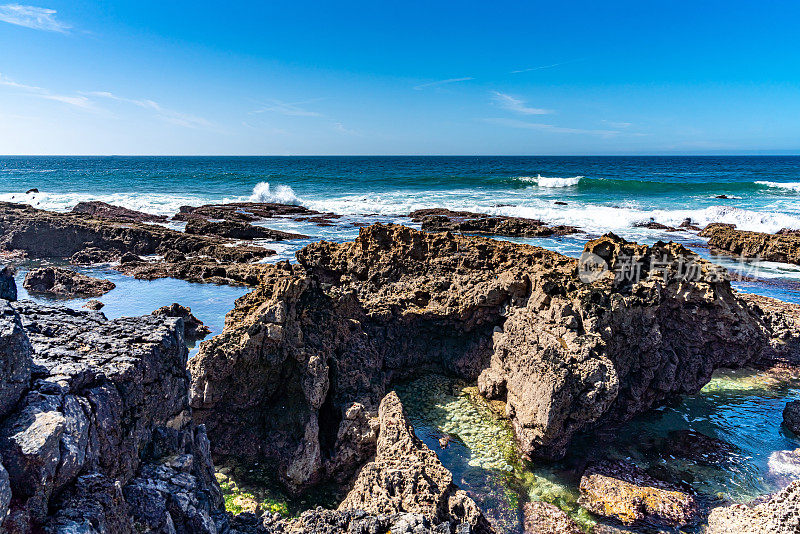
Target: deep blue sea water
x,y
602,194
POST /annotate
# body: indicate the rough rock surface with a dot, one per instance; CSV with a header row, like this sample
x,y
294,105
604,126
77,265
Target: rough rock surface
x,y
85,238
320,521
784,248
336,330
783,322
546,518
624,492
778,514
15,359
406,476
102,438
236,230
441,220
254,211
65,282
193,328
791,416
8,287
96,208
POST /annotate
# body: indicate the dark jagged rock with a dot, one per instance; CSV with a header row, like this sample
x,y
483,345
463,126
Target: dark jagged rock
x,y
624,492
8,287
254,211
65,282
778,514
46,234
698,447
782,320
102,439
236,230
94,255
652,225
791,416
31,190
783,248
546,518
99,209
15,359
193,328
193,270
337,329
441,220
406,476
321,521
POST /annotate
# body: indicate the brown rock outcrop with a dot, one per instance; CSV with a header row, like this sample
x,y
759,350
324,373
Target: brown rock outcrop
x,y
193,328
44,234
783,248
253,211
623,492
778,514
102,210
546,518
406,476
236,230
65,283
335,330
442,220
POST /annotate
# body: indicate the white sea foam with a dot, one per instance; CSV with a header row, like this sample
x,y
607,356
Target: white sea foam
x,y
793,186
281,194
158,204
547,181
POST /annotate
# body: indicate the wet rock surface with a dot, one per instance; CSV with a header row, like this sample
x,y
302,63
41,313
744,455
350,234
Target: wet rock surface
x,y
96,208
338,328
441,220
86,239
698,447
65,282
406,476
193,328
96,434
236,230
783,248
791,416
776,514
627,494
546,518
253,211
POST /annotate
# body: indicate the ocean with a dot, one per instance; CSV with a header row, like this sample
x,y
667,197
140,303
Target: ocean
x,y
601,194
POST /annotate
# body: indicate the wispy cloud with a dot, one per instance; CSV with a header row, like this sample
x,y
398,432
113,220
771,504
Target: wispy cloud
x,y
543,67
291,109
443,82
516,105
78,101
620,125
514,123
166,114
38,18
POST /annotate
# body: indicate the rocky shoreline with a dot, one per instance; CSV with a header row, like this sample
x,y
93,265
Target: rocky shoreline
x,y
107,426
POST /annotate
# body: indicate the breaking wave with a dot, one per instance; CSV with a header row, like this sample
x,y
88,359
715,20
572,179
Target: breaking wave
x,y
280,194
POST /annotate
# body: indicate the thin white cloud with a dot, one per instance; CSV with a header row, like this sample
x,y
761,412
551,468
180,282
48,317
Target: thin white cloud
x,y
514,123
443,82
516,105
291,109
168,115
37,18
620,125
543,67
78,101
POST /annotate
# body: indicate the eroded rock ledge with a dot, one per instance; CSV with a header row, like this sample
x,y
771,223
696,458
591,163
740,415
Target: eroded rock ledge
x,y
782,247
319,343
441,220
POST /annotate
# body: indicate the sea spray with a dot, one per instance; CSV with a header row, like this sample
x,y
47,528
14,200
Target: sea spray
x,y
280,194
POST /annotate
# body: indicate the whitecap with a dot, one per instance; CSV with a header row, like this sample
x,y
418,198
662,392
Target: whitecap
x,y
792,186
280,194
550,181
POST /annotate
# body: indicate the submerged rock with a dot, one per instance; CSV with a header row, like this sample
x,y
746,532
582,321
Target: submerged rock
x,y
791,416
66,283
96,208
348,320
406,476
546,518
698,447
777,514
783,248
193,328
624,492
441,220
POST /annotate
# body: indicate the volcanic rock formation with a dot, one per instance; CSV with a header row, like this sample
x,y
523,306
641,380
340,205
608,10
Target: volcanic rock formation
x,y
783,247
319,343
65,283
441,220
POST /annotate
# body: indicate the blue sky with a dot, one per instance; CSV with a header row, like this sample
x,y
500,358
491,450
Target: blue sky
x,y
644,77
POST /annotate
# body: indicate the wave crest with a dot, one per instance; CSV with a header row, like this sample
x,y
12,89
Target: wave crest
x,y
792,186
280,194
547,181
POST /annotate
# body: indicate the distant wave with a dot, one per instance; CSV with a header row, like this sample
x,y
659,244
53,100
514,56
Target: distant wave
x,y
546,181
281,194
793,186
